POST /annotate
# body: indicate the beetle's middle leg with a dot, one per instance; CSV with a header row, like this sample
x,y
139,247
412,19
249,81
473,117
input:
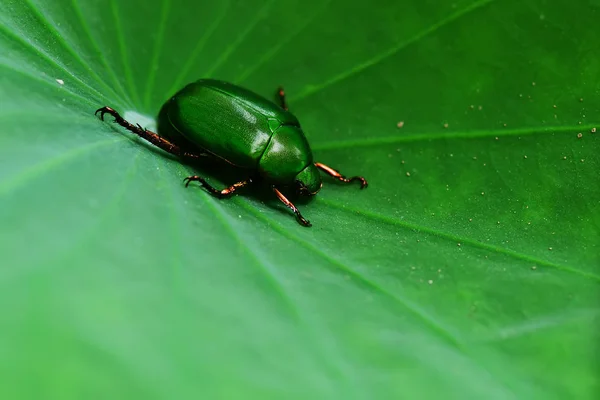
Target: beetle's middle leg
x,y
281,95
332,172
216,192
147,135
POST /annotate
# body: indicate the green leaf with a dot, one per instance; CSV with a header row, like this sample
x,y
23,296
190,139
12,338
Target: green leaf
x,y
470,267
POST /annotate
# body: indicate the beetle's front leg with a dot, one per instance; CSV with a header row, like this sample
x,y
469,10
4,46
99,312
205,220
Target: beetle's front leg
x,y
332,172
216,192
292,207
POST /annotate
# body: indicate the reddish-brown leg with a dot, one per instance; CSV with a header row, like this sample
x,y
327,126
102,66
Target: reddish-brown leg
x,y
332,172
219,193
292,207
281,95
147,135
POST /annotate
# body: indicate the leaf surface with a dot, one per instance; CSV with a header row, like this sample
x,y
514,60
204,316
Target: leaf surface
x,y
470,267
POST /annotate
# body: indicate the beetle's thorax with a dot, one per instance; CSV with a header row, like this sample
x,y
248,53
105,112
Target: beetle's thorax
x,y
286,155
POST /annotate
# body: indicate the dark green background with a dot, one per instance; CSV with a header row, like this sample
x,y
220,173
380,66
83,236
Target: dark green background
x,y
477,276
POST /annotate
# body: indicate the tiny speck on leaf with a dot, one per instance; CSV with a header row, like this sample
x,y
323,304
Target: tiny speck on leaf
x,y
60,81
445,125
579,135
400,124
532,83
534,267
525,157
482,193
407,173
581,99
430,281
593,130
549,248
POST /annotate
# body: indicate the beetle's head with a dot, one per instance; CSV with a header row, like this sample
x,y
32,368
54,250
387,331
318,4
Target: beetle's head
x,y
308,181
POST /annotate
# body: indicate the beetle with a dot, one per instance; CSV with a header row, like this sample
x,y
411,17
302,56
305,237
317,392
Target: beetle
x,y
262,139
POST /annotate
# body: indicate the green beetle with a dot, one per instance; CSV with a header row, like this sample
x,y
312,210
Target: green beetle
x,y
224,121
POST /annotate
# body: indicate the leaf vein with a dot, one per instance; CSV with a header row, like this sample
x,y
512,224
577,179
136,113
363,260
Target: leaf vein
x,y
199,47
273,280
414,309
232,47
164,12
390,52
459,239
446,135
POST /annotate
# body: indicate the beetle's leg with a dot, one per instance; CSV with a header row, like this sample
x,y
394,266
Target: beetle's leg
x,y
219,193
332,172
281,95
147,135
292,207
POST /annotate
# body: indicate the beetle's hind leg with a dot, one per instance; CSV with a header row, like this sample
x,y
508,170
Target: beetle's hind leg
x,y
281,96
147,135
216,192
303,221
332,172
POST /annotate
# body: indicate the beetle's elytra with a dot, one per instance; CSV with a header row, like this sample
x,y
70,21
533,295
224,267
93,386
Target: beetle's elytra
x,y
261,139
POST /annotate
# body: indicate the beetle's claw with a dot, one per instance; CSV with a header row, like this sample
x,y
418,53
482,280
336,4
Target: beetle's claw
x,y
190,179
303,221
101,111
363,181
105,110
